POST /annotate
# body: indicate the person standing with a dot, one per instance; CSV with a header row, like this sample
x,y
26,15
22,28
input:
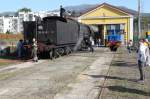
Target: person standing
x,y
34,51
62,11
129,46
142,59
89,44
19,48
99,42
148,52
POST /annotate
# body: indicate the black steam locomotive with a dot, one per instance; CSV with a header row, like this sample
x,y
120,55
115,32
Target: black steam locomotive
x,y
57,35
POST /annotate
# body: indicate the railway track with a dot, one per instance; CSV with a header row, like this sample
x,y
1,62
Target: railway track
x,y
103,84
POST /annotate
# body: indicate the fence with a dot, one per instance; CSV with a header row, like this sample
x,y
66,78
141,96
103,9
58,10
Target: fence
x,y
11,36
8,43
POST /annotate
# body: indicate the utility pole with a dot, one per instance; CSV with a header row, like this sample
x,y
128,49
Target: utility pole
x,y
37,20
139,19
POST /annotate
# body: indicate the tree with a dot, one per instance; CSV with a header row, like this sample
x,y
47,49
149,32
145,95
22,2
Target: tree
x,y
25,10
8,32
145,22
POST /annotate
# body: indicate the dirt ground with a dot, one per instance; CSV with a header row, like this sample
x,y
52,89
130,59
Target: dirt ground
x,y
45,80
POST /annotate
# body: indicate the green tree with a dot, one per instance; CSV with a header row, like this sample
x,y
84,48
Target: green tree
x,y
24,10
8,32
145,22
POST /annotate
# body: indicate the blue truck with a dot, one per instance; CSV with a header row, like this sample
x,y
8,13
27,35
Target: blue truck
x,y
114,35
114,39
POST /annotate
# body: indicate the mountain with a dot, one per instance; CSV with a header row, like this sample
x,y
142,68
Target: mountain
x,y
8,14
146,15
79,9
128,10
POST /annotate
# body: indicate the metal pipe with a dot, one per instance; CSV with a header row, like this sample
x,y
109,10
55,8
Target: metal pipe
x,y
139,19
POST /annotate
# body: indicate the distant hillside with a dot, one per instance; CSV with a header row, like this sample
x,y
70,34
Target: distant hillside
x,y
79,9
7,14
128,10
146,14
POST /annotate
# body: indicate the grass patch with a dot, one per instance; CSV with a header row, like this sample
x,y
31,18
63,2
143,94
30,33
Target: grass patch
x,y
122,82
2,64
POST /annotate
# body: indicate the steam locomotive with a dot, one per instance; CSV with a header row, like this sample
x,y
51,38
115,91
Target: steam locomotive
x,y
57,36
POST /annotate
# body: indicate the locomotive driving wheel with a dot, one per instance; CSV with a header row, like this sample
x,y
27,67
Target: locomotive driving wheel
x,y
61,51
51,56
67,50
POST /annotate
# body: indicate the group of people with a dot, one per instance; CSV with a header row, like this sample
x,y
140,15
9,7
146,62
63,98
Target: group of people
x,y
23,51
97,42
88,43
143,57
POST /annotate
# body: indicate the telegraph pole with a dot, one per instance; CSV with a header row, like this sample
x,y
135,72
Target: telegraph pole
x,y
139,19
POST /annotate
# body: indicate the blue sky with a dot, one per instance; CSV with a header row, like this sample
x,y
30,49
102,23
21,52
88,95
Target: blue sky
x,y
40,5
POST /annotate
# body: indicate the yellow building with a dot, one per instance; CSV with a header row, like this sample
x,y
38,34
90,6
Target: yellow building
x,y
108,18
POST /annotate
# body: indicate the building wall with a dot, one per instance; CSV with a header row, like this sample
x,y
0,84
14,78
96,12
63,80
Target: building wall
x,y
9,24
126,21
108,15
30,16
1,25
14,24
104,11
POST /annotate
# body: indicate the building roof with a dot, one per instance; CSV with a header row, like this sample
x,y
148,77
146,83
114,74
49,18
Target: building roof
x,y
133,12
124,9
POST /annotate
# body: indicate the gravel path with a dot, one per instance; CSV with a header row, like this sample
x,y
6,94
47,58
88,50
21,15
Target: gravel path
x,y
49,79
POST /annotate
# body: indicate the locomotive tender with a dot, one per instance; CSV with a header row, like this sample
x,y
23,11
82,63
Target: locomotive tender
x,y
57,35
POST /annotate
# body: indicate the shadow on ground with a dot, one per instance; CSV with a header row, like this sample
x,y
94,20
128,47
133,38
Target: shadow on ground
x,y
123,64
112,77
126,90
